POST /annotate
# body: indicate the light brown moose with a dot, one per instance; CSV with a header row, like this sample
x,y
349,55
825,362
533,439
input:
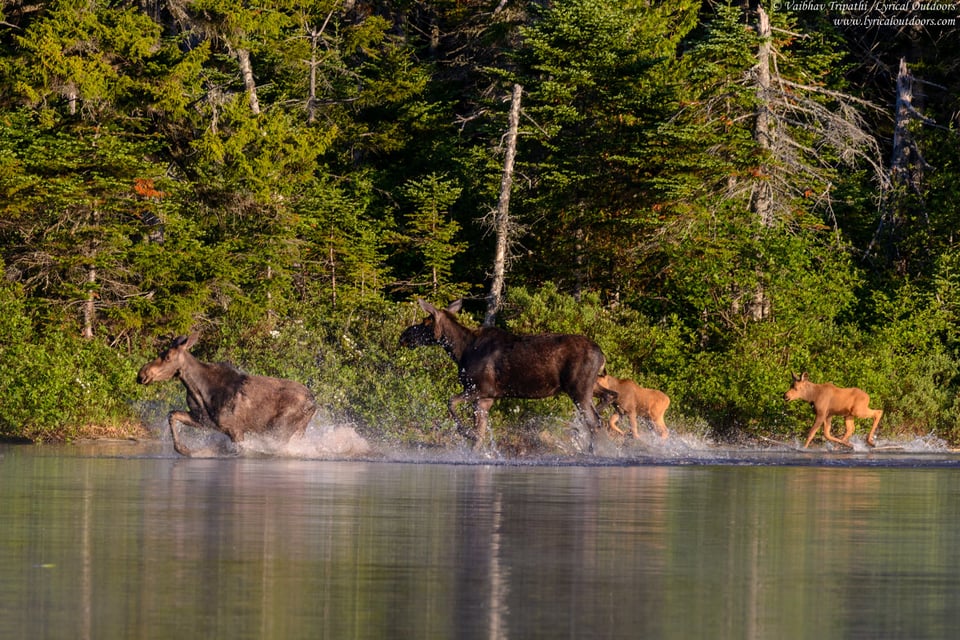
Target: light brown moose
x,y
632,400
221,397
829,400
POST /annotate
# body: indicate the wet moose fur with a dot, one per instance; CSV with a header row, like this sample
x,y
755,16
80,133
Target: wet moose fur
x,y
494,363
221,397
829,400
633,400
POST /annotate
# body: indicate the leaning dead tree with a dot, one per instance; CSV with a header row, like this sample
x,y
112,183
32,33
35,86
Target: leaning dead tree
x,y
501,216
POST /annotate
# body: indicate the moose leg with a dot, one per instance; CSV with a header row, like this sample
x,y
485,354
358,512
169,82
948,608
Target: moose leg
x,y
292,421
585,409
607,396
452,407
850,426
614,419
877,414
633,424
481,411
828,433
184,418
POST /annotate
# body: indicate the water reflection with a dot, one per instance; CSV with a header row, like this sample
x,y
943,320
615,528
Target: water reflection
x,y
145,545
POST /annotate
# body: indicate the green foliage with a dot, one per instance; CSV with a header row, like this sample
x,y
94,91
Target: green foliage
x,y
431,234
55,386
142,195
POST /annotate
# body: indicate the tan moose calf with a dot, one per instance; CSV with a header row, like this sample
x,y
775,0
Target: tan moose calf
x,y
633,400
829,400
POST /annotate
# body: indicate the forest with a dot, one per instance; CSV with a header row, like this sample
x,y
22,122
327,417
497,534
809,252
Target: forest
x,y
719,193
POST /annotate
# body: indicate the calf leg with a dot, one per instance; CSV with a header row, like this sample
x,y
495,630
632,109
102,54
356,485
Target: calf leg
x,y
850,426
828,433
661,427
614,419
633,425
877,414
813,430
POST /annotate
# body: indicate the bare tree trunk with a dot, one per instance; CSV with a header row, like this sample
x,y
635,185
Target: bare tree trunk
x,y
762,203
333,276
315,35
906,163
246,71
89,308
906,166
312,97
501,222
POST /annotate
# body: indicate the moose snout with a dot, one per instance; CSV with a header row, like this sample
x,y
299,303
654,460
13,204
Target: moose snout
x,y
144,377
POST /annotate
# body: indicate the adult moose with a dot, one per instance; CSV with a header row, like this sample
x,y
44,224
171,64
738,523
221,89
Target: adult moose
x,y
829,400
221,397
494,363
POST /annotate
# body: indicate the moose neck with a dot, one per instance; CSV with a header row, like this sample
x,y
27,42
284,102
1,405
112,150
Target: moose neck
x,y
194,377
456,339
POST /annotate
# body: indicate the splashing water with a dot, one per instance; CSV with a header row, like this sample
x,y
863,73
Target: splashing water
x,y
326,438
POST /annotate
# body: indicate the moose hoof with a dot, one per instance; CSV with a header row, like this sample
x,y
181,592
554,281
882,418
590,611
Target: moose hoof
x,y
582,441
468,434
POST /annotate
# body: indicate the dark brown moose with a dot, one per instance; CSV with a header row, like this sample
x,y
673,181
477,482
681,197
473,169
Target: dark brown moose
x,y
221,397
829,400
494,363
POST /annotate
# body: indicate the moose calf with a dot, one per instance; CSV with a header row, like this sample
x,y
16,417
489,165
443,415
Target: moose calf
x,y
829,400
632,400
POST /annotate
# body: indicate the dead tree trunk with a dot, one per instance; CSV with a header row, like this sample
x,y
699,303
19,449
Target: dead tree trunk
x,y
762,202
906,167
312,97
315,35
906,163
246,71
501,221
89,305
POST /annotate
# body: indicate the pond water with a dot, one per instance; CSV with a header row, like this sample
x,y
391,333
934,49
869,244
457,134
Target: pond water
x,y
117,540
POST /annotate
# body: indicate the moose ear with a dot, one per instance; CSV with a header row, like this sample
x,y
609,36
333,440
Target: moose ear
x,y
794,377
455,306
427,307
804,376
192,340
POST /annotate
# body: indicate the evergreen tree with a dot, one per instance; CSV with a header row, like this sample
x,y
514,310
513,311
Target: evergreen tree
x,y
431,233
597,84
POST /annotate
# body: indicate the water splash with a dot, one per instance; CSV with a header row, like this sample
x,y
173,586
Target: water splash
x,y
549,443
319,441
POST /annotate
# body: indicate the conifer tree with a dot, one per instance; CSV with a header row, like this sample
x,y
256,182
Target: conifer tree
x,y
596,83
431,232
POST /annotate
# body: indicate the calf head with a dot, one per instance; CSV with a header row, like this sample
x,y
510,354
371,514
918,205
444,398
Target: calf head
x,y
430,329
170,361
798,387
